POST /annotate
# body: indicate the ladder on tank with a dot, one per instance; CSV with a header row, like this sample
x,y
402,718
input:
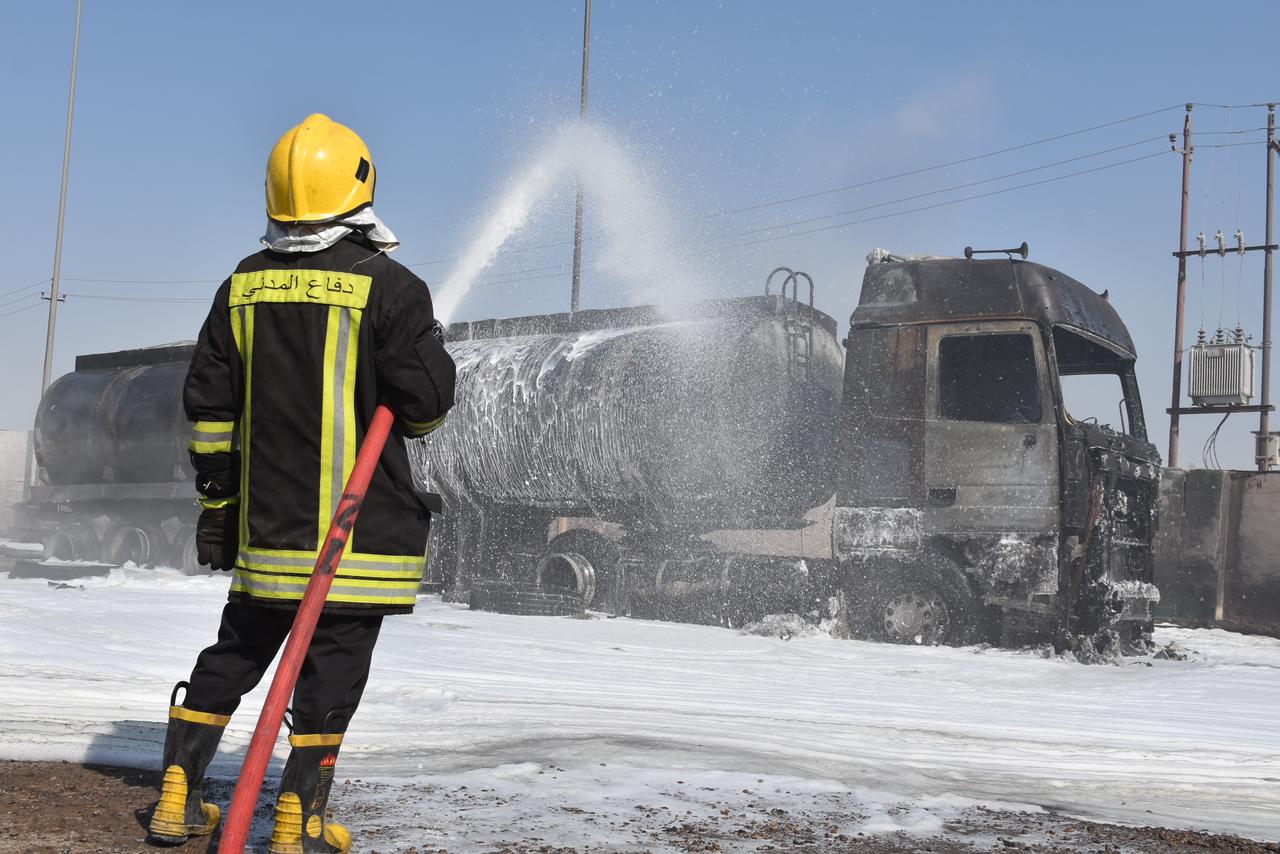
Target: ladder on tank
x,y
797,325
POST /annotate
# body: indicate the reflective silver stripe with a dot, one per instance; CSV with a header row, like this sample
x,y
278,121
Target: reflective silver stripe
x,y
271,587
202,436
302,564
248,579
339,473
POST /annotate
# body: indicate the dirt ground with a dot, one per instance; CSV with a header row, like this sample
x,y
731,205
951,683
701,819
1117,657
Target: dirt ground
x,y
52,808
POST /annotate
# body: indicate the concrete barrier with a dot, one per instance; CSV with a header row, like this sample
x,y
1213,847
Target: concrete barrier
x,y
1249,594
1217,552
15,473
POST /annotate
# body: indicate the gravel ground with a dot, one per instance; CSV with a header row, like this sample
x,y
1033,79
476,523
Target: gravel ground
x,y
51,808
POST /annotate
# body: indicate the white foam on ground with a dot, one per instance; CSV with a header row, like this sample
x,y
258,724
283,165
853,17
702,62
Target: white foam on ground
x,y
15,546
85,673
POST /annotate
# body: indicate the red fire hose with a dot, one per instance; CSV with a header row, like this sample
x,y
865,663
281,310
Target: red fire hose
x,y
245,800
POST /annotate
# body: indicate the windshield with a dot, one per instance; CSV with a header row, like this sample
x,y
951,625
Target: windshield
x,y
1095,399
1097,383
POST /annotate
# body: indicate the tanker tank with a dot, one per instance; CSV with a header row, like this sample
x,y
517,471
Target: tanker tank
x,y
117,418
115,480
724,417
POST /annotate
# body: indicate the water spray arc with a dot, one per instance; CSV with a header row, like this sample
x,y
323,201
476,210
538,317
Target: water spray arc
x,y
641,244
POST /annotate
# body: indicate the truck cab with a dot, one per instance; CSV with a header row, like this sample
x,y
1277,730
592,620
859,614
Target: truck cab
x,y
976,474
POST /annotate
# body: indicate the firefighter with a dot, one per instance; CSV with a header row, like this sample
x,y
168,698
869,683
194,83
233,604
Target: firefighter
x,y
303,342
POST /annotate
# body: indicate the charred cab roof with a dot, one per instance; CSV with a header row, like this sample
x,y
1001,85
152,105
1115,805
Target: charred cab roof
x,y
949,289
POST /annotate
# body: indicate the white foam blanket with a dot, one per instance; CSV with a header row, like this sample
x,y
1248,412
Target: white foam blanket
x,y
610,713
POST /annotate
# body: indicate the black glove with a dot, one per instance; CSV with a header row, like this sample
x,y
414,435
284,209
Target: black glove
x,y
437,330
218,537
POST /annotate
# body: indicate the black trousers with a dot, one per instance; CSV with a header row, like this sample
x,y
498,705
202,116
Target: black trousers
x,y
330,683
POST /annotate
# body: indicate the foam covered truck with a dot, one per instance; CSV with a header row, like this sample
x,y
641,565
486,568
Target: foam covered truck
x,y
930,478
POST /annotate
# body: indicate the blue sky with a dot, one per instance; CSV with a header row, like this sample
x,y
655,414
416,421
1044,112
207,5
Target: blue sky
x,y
722,106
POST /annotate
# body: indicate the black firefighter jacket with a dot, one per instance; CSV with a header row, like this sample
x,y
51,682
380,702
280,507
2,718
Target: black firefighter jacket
x,y
296,354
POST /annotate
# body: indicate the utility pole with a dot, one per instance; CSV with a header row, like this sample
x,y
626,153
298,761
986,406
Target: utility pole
x,y
575,293
62,210
1174,425
1265,445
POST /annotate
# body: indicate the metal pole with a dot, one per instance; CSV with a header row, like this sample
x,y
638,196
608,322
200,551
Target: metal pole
x,y
577,217
1264,444
1174,425
62,210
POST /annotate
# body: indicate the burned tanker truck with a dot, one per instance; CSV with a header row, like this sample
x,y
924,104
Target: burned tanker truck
x,y
920,482
925,484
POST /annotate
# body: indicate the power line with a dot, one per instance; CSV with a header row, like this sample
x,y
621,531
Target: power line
x,y
950,189
145,281
496,277
777,202
538,248
888,215
775,238
537,278
560,267
1233,144
1228,132
962,160
137,299
944,204
26,288
885,178
1229,106
20,310
18,299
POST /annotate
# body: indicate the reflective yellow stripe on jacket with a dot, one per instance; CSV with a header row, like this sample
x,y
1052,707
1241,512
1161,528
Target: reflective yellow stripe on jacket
x,y
212,437
418,429
385,580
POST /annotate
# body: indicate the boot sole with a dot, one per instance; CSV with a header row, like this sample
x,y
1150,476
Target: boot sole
x,y
164,832
175,839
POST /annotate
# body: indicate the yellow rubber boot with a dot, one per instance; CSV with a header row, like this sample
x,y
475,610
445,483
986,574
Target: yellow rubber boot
x,y
301,825
189,745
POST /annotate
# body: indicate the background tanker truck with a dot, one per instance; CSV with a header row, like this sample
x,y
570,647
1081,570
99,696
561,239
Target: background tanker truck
x,y
727,460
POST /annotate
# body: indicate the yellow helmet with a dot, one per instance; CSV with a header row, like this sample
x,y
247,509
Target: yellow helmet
x,y
317,172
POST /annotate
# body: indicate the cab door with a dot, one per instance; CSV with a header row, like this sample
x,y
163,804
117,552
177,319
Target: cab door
x,y
991,437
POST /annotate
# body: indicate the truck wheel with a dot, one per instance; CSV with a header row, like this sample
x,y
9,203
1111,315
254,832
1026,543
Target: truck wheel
x,y
603,555
125,544
927,606
59,546
505,597
72,543
567,571
187,560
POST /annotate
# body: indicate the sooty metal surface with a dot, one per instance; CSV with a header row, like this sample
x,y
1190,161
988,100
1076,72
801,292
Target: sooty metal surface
x,y
716,419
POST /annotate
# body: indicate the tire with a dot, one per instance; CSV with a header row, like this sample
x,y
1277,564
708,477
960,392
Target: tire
x,y
927,604
125,544
60,546
72,543
603,555
504,597
187,561
567,572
